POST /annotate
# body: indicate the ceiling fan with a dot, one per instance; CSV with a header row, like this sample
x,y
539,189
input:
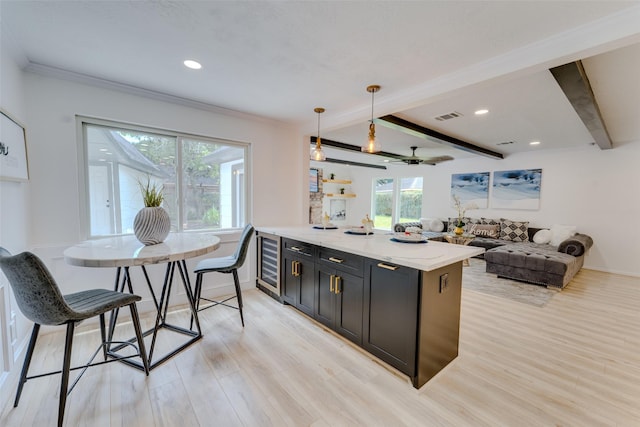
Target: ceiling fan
x,y
415,160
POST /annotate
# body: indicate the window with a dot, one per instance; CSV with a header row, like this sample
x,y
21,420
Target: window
x,y
382,203
203,180
396,200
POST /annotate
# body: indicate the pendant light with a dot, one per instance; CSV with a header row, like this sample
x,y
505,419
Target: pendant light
x,y
317,154
372,145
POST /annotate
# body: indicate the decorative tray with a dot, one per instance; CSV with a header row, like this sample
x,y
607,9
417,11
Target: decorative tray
x,y
408,238
328,227
394,239
358,230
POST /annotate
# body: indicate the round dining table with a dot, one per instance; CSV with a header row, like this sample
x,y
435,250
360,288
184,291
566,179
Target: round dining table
x,y
124,252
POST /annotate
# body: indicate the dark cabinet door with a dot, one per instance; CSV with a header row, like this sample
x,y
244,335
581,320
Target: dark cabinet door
x,y
349,296
325,310
306,286
298,285
290,281
391,301
339,302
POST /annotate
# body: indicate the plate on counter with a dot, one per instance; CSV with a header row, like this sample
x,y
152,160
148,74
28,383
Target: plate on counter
x,y
409,238
357,230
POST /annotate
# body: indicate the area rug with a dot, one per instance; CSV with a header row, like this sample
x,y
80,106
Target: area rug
x,y
475,278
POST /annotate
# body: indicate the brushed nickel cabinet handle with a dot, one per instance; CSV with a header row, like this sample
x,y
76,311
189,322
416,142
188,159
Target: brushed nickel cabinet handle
x,y
388,267
295,248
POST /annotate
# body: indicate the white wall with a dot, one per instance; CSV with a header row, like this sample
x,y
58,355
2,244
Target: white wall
x,y
596,190
43,214
53,104
14,222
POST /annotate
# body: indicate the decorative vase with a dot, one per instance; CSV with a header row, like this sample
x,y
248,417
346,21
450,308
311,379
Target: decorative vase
x,y
151,225
458,231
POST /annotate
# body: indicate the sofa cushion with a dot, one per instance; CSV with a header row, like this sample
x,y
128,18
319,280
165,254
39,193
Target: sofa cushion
x,y
542,236
561,232
436,225
515,231
576,245
489,221
452,222
484,230
487,243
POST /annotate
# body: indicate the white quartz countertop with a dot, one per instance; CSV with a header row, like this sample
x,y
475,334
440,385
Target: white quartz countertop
x,y
423,256
126,251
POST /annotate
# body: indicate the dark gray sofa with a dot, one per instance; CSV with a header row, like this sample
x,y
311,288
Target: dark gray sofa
x,y
541,264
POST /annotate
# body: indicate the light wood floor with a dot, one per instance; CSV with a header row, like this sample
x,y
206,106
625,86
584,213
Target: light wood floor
x,y
574,362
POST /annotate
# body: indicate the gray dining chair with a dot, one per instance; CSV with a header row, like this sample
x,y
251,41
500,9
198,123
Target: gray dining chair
x,y
226,264
41,301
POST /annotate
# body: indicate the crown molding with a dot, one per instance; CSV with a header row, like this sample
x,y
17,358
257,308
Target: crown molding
x,y
59,73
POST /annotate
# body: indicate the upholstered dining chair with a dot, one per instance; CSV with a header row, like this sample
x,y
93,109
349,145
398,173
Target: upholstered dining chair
x,y
226,264
41,301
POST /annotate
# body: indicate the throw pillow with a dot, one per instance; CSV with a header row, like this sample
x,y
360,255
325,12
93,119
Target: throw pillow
x,y
489,221
515,231
436,225
454,221
542,237
485,230
561,232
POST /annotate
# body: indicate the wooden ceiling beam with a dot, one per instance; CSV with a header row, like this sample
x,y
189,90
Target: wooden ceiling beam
x,y
356,148
394,122
574,83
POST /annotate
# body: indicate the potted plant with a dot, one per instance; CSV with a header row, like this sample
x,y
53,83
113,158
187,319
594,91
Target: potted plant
x,y
342,191
459,227
152,223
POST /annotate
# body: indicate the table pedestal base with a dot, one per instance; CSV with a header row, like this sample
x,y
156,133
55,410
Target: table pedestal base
x,y
162,305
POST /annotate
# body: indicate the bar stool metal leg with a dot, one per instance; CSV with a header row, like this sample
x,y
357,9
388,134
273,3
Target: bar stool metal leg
x,y
27,362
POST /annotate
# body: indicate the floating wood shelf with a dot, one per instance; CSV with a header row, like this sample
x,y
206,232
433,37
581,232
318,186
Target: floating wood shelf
x,y
346,195
337,181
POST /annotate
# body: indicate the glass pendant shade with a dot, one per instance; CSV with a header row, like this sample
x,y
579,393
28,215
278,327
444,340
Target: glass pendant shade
x,y
372,146
317,154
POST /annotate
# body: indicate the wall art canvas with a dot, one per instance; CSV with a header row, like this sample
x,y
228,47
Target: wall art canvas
x,y
13,150
516,189
313,180
471,188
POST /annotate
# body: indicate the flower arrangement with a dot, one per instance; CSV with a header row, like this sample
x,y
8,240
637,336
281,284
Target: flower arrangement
x,y
461,209
151,195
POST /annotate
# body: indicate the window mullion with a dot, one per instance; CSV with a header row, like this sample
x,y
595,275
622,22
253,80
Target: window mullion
x,y
179,184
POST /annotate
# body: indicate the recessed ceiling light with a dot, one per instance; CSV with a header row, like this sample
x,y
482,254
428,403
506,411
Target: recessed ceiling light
x,y
534,143
194,65
481,112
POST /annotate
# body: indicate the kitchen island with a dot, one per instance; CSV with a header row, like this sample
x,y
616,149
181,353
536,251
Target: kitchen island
x,y
398,301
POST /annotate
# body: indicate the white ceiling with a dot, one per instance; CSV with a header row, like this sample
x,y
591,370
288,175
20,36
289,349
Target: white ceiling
x,y
280,59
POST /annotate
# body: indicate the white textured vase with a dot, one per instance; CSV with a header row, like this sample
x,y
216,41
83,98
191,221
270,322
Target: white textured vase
x,y
151,225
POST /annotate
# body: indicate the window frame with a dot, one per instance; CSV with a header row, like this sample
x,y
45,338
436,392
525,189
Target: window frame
x,y
395,196
83,172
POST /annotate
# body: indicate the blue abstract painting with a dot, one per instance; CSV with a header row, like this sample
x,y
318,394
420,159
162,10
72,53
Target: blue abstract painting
x,y
516,189
471,188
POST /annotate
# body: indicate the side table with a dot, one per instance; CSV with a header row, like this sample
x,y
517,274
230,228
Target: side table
x,y
463,239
